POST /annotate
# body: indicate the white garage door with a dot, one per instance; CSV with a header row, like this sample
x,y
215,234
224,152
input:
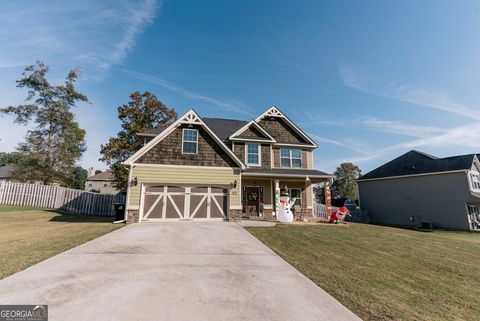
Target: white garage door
x,y
161,202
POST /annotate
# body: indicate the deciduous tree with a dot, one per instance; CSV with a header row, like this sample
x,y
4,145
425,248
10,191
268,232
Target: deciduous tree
x,y
142,113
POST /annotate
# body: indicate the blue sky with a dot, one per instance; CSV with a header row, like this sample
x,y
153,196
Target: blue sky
x,y
368,80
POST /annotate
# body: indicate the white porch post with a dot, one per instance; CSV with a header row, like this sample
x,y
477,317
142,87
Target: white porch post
x,y
277,195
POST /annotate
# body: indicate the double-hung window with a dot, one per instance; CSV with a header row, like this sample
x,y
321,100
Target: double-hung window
x,y
474,177
190,141
290,157
253,154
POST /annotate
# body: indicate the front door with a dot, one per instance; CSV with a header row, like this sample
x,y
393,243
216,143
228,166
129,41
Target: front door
x,y
251,201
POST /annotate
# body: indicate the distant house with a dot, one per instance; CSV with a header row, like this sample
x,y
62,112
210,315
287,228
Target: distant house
x,y
101,183
6,172
417,187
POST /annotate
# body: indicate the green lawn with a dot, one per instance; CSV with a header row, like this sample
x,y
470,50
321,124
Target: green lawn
x,y
384,273
29,235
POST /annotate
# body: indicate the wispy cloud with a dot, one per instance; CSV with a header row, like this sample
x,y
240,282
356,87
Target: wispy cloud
x,y
338,143
398,127
464,136
411,93
93,35
230,105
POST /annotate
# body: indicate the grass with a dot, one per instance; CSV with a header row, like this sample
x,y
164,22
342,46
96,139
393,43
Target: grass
x,y
30,235
384,273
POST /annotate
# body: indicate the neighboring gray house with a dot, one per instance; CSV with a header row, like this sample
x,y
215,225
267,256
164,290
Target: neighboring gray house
x,y
417,187
101,183
5,172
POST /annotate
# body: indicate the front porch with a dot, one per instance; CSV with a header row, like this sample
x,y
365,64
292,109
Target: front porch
x,y
258,194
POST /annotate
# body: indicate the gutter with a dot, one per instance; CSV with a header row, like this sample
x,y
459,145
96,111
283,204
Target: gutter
x,y
412,175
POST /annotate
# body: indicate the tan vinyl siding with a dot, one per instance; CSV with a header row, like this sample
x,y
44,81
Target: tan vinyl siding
x,y
184,176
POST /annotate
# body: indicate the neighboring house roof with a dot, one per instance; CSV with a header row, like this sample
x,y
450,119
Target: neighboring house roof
x,y
104,176
287,172
415,163
6,171
222,127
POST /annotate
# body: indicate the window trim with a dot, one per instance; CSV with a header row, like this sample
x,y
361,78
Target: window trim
x,y
299,199
183,141
290,157
474,178
259,151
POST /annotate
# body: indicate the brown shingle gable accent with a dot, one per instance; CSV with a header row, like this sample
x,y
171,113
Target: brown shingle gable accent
x,y
264,150
252,132
281,131
169,151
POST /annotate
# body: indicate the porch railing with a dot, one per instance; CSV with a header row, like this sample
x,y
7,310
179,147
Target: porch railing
x,y
320,211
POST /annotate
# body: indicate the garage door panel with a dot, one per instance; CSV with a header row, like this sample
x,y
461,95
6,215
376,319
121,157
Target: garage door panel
x,y
218,206
198,206
153,205
154,189
175,189
217,190
175,206
201,189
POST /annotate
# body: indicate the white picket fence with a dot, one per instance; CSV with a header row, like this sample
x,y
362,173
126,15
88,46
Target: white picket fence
x,y
320,211
65,199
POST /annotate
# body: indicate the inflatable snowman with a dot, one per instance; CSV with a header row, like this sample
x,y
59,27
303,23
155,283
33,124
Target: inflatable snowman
x,y
285,214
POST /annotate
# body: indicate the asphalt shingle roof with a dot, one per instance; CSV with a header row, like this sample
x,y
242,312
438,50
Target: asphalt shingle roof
x,y
415,162
223,128
104,176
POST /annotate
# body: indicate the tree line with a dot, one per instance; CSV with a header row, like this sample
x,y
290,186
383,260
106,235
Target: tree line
x,y
51,150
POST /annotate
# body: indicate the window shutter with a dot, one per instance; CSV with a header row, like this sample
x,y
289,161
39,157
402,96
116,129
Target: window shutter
x,y
276,157
304,159
304,198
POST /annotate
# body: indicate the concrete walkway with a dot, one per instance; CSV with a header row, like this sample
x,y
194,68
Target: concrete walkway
x,y
172,271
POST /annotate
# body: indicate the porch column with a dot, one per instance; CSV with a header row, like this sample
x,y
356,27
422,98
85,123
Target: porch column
x,y
277,195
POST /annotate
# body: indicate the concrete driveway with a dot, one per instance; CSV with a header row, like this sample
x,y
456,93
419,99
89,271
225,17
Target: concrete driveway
x,y
172,271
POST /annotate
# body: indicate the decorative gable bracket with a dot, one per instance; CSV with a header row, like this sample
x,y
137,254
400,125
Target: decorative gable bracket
x,y
190,118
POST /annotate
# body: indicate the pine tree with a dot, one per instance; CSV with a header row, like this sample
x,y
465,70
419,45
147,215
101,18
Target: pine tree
x,y
51,150
344,181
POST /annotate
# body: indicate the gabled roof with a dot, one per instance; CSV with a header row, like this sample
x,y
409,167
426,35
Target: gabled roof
x,y
6,170
222,127
276,113
104,176
190,117
417,163
266,136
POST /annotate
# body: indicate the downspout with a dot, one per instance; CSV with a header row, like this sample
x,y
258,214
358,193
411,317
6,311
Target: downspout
x,y
127,203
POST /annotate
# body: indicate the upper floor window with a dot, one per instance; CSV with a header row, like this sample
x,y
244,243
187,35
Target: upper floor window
x,y
475,180
290,157
190,141
253,154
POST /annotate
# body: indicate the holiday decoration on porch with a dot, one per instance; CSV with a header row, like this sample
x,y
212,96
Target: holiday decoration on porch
x,y
285,214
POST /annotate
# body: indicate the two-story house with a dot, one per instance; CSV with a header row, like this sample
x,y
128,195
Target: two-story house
x,y
216,169
419,188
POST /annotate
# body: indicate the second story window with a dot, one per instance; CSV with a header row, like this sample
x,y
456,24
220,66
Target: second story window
x,y
290,157
190,141
253,154
474,177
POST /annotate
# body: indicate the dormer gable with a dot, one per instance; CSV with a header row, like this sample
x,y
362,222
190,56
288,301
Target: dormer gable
x,y
252,132
282,129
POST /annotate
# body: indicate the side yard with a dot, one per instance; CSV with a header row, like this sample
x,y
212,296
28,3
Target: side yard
x,y
30,235
384,273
